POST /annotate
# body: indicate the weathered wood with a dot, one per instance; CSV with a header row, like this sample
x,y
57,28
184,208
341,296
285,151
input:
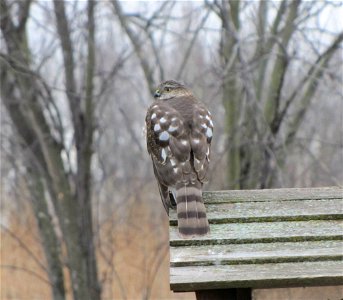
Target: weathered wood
x,y
272,211
256,276
255,253
261,239
234,233
273,195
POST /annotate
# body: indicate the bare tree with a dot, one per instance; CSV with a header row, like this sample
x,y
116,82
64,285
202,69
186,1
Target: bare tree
x,y
32,107
257,95
77,99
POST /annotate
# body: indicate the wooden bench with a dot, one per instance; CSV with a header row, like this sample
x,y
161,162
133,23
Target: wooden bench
x,y
261,239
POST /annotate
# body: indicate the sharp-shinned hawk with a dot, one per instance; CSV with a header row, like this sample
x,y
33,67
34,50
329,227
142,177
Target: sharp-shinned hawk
x,y
179,133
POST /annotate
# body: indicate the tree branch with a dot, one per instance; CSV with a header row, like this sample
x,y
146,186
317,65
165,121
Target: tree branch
x,y
310,83
69,65
267,48
16,268
313,74
148,72
280,66
191,44
26,249
24,8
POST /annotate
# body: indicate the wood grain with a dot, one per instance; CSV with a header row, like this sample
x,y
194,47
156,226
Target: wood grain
x,y
257,275
255,253
262,239
272,211
235,233
273,195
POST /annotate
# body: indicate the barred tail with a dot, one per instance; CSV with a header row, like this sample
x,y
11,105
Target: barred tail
x,y
191,212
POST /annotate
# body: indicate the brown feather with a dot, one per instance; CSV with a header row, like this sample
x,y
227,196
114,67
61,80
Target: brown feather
x,y
191,212
179,134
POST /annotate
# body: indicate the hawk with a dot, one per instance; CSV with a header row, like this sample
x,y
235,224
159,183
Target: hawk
x,y
179,133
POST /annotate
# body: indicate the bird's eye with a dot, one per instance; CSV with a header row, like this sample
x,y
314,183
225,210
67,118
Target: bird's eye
x,y
167,89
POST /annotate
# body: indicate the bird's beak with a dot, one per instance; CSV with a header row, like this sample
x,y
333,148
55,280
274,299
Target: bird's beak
x,y
157,94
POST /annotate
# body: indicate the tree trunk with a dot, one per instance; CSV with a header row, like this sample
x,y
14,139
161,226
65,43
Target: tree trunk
x,y
231,92
51,244
25,96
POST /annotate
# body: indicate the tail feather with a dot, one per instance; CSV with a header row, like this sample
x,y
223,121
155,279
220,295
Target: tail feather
x,y
191,212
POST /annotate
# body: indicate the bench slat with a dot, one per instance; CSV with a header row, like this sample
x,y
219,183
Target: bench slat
x,y
255,253
273,195
263,232
260,239
183,279
272,211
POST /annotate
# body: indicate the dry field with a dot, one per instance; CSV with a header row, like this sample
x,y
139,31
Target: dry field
x,y
133,262
133,259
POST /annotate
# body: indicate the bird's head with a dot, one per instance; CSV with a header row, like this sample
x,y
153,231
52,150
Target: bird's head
x,y
170,89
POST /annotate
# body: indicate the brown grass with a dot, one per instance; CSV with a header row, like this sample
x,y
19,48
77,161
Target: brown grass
x,y
132,256
133,262
21,275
